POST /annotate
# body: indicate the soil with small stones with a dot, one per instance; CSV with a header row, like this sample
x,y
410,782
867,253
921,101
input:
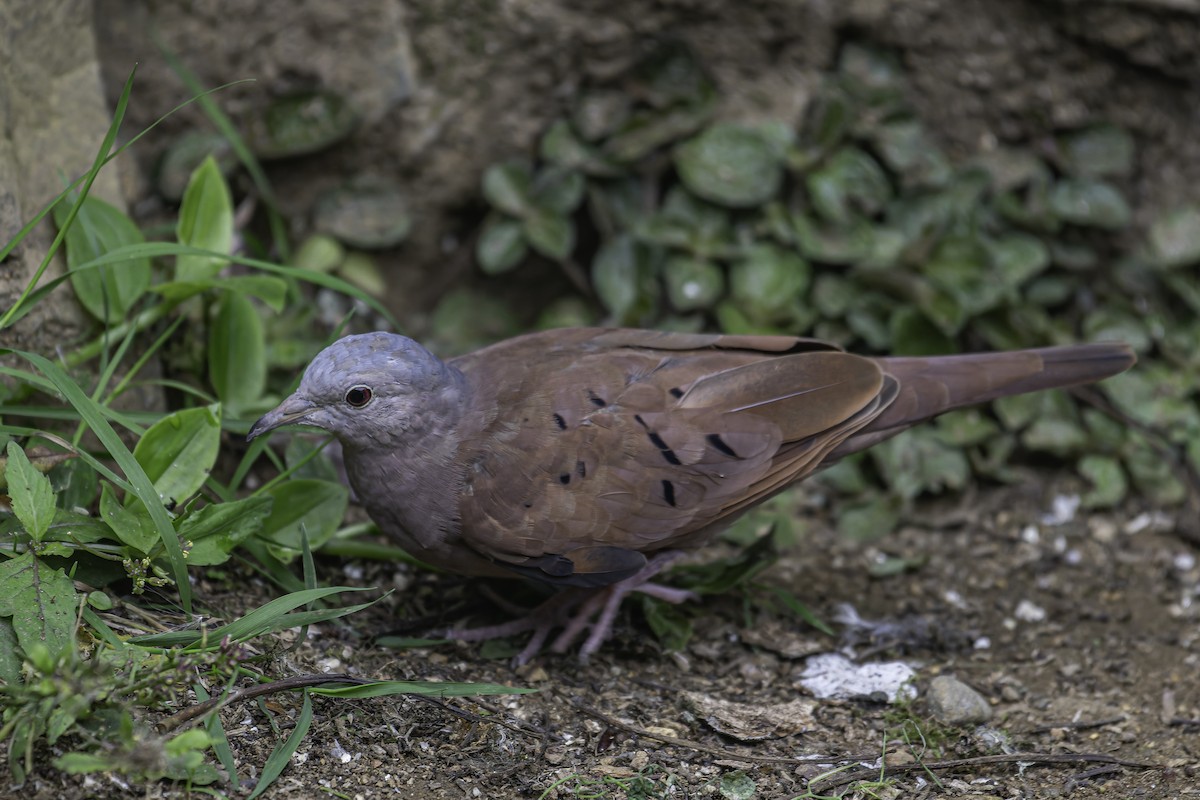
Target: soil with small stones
x,y
1082,636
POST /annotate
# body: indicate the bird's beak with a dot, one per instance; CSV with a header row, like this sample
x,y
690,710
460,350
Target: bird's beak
x,y
293,409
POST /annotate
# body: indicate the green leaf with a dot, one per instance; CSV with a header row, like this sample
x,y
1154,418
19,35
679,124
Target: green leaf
x,y
549,233
622,277
217,529
1017,257
731,165
692,283
237,352
671,625
75,484
769,279
905,148
299,123
110,291
1175,238
1109,324
559,191
361,270
849,185
1109,485
966,428
302,508
737,785
41,602
179,451
30,492
206,222
369,213
10,659
130,522
913,334
281,756
319,253
1097,151
960,266
919,461
868,520
830,244
507,187
1092,203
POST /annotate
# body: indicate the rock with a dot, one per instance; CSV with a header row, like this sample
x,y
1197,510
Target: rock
x,y
952,702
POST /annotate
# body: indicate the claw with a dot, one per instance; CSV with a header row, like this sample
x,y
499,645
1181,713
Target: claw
x,y
597,610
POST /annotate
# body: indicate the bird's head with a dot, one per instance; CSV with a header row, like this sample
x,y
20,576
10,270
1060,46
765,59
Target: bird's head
x,y
366,389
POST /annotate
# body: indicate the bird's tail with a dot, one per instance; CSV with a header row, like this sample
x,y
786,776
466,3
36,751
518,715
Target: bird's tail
x,y
928,386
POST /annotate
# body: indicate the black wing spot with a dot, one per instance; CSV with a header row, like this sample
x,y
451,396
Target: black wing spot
x,y
565,478
669,493
638,419
560,422
667,452
581,469
676,392
597,400
527,504
717,442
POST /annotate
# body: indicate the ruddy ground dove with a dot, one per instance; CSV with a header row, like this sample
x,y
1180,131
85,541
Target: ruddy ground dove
x,y
589,458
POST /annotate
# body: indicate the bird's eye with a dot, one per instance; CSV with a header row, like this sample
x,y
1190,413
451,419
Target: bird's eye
x,y
358,396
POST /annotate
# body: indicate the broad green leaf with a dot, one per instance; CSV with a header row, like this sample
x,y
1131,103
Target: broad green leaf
x,y
1017,257
299,123
737,785
507,187
501,245
369,213
1096,151
559,191
269,289
237,352
1152,474
110,291
304,457
731,165
918,461
1109,323
913,334
206,222
1092,203
833,295
960,266
966,428
30,493
1175,237
361,270
10,659
1109,485
671,625
41,602
768,279
693,284
560,146
830,244
551,234
75,484
849,185
178,451
623,278
906,148
309,508
215,530
130,522
319,253
869,520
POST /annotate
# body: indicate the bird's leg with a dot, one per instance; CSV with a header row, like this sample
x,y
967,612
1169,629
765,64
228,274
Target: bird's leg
x,y
606,602
600,605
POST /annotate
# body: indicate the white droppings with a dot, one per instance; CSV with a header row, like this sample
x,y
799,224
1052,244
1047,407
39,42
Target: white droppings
x,y
1028,611
1062,509
830,675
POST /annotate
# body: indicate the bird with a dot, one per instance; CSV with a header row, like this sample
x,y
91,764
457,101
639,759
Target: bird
x,y
590,459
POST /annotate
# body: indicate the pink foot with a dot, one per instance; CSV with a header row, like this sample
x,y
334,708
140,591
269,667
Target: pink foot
x,y
601,605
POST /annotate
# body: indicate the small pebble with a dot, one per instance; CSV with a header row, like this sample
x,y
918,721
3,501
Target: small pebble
x,y
952,702
1029,612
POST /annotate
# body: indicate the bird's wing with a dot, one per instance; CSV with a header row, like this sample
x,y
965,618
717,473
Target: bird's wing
x,y
596,447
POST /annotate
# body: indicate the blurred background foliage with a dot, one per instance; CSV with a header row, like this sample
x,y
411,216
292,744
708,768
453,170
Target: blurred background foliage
x,y
858,229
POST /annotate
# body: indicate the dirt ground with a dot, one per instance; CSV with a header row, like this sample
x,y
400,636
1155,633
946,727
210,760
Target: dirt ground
x,y
1082,636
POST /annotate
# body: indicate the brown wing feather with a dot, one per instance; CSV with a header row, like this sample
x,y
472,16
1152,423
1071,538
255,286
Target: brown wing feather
x,y
645,442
